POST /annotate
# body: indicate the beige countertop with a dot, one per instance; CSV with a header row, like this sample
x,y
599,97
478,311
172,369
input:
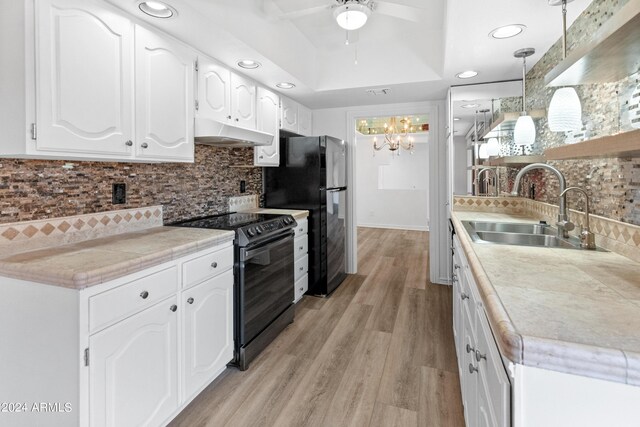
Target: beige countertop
x,y
296,214
95,261
573,311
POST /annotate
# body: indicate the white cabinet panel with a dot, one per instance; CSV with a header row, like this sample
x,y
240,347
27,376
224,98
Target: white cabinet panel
x,y
208,331
164,98
134,369
289,115
268,116
301,266
84,79
214,91
304,120
301,286
300,246
205,266
243,101
302,227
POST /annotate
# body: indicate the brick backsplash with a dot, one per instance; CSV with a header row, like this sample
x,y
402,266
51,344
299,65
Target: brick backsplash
x,y
614,183
43,189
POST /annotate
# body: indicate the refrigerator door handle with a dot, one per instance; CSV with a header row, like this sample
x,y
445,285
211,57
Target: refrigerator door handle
x,y
333,190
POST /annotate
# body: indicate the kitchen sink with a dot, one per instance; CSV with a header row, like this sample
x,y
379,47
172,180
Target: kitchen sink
x,y
520,234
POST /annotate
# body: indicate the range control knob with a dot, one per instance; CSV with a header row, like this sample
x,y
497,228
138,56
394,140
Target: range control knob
x,y
259,229
250,232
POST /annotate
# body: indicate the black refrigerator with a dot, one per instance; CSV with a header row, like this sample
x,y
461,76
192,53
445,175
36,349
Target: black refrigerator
x,y
313,175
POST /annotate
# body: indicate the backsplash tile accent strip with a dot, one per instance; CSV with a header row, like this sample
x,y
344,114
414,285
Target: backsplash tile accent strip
x,y
616,236
42,189
38,234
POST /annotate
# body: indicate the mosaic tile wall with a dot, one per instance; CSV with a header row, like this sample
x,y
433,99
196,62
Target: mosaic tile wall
x,y
41,189
614,184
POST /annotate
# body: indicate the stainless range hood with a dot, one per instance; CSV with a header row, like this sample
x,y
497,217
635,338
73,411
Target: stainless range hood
x,y
211,132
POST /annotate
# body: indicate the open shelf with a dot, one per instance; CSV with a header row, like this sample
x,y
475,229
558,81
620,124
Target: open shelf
x,y
613,54
506,122
514,161
625,144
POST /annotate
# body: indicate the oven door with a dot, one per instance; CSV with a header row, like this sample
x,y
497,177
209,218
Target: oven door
x,y
265,286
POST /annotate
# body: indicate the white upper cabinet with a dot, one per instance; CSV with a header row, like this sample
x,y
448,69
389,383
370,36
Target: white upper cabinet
x,y
296,117
214,91
289,115
165,100
84,79
243,101
304,120
268,121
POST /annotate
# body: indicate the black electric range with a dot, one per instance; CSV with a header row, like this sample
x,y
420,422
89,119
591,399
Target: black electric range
x,y
263,277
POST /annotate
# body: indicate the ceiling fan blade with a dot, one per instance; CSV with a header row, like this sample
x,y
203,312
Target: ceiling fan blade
x,y
408,13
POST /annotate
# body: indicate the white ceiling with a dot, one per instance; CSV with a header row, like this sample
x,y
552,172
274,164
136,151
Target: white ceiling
x,y
299,41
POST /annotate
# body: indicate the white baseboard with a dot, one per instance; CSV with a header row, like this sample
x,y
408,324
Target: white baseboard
x,y
395,227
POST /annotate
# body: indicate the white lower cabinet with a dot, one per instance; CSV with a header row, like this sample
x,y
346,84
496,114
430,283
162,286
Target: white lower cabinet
x,y
134,369
301,260
208,331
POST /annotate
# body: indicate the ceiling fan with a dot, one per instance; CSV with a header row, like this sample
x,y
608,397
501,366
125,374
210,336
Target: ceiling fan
x,y
353,14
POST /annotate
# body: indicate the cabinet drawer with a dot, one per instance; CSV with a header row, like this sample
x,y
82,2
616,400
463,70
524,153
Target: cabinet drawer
x,y
128,299
301,266
301,286
205,266
301,228
300,247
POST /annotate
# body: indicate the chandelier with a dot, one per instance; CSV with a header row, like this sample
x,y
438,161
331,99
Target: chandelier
x,y
396,137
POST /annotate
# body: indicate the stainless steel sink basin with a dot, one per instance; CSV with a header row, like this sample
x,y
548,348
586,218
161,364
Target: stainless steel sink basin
x,y
508,233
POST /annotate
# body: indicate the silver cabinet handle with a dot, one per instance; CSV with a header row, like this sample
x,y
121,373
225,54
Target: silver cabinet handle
x,y
472,368
237,119
229,117
173,308
301,289
144,145
470,349
261,157
480,356
464,296
301,247
190,300
456,266
144,294
301,268
129,143
214,264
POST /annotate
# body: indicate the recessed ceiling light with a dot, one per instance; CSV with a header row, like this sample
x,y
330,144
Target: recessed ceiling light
x,y
285,85
467,74
157,9
248,63
470,105
507,31
455,119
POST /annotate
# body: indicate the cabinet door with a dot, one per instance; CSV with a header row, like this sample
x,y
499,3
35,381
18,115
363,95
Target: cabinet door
x,y
208,327
134,369
304,121
214,91
289,115
468,378
84,79
243,102
268,121
165,101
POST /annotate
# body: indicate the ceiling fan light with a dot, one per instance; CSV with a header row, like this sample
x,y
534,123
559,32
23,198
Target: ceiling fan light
x,y
525,131
565,111
351,16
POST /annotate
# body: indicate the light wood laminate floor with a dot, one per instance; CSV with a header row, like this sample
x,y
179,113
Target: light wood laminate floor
x,y
378,352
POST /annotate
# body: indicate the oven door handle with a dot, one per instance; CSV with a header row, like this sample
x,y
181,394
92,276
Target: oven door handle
x,y
247,254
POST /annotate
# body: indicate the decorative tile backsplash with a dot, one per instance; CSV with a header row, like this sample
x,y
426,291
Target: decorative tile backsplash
x,y
31,235
41,189
616,236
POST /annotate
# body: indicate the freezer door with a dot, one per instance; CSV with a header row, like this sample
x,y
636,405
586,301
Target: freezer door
x,y
336,162
336,236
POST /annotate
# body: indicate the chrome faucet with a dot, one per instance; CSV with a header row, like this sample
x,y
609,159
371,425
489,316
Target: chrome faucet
x,y
587,238
563,224
495,175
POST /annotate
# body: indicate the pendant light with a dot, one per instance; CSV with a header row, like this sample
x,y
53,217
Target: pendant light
x,y
524,133
565,110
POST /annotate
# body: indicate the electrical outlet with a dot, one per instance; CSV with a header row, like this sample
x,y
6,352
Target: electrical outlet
x,y
243,186
119,194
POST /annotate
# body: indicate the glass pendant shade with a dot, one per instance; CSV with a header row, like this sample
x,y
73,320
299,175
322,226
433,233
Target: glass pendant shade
x,y
565,111
493,147
525,131
482,152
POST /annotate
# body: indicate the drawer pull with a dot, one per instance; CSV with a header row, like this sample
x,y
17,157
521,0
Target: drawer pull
x,y
173,308
301,289
214,264
301,268
300,229
472,368
190,300
301,247
144,294
470,349
457,267
464,296
144,145
480,356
